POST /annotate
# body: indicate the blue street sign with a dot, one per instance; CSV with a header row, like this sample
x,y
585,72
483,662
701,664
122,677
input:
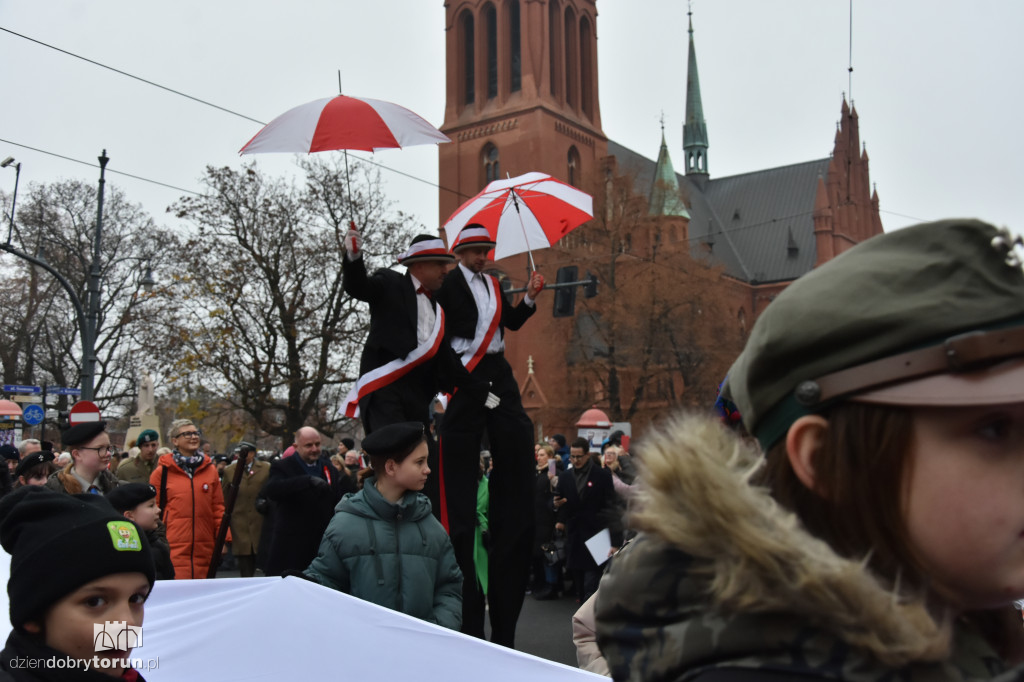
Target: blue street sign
x,y
32,414
63,390
15,388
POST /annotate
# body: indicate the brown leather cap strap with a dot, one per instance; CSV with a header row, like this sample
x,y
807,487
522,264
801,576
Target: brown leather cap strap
x,y
962,353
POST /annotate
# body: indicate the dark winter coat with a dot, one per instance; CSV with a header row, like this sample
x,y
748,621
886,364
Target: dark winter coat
x,y
392,554
161,551
543,510
586,513
302,508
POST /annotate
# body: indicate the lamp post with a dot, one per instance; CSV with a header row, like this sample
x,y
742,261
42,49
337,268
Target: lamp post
x,y
88,318
17,176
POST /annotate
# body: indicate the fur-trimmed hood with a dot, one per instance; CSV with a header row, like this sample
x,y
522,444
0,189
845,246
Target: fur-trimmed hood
x,y
721,575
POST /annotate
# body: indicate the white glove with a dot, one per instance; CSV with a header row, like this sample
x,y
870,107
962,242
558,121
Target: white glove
x,y
353,243
492,401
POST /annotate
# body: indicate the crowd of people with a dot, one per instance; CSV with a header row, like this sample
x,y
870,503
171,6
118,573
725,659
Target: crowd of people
x,y
851,509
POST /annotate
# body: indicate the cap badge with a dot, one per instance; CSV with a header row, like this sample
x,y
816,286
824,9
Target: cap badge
x,y
1006,244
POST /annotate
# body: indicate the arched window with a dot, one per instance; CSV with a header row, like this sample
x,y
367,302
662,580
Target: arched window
x,y
492,168
555,46
491,22
468,57
515,50
586,68
571,63
574,167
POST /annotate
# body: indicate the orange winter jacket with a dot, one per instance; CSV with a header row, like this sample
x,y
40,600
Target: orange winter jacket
x,y
192,513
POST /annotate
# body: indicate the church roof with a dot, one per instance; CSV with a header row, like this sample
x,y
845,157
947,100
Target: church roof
x,y
664,196
759,226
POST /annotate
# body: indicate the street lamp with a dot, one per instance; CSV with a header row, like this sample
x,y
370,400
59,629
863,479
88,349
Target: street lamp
x,y
17,176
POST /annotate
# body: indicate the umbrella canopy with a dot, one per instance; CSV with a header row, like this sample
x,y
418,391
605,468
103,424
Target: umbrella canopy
x,y
343,122
531,211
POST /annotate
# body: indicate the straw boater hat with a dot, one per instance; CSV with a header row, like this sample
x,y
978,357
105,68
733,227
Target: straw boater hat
x,y
473,235
425,247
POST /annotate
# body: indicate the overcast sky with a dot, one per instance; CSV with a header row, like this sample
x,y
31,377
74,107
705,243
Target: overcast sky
x,y
937,86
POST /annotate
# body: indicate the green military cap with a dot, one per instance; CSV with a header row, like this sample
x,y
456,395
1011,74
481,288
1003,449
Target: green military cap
x,y
907,317
148,436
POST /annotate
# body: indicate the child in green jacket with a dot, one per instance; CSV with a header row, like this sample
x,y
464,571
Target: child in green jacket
x,y
383,544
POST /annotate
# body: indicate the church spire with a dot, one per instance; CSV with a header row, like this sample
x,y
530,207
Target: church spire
x,y
695,131
665,199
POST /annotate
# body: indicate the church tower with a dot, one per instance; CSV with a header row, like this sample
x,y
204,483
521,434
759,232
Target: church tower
x,y
521,94
695,130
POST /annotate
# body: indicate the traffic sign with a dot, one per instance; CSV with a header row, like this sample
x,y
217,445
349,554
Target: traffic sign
x,y
32,414
17,388
63,390
83,411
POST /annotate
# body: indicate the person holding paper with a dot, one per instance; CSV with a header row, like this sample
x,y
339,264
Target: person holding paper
x,y
585,500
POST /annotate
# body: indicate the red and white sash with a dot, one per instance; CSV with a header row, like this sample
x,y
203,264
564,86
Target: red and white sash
x,y
492,315
396,369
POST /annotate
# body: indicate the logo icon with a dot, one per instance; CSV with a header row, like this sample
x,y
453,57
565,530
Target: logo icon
x,y
125,536
116,635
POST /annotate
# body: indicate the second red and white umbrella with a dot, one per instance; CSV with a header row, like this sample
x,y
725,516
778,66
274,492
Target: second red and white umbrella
x,y
343,122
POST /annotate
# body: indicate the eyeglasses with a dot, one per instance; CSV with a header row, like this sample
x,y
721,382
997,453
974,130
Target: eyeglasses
x,y
578,456
189,434
108,449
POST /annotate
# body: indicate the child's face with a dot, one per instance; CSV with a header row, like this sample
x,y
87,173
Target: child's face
x,y
68,625
145,515
412,473
964,502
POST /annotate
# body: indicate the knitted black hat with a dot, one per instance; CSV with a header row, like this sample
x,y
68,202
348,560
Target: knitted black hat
x,y
35,459
128,496
82,433
9,452
348,443
70,539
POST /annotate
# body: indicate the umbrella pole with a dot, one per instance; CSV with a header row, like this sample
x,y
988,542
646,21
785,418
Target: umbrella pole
x,y
529,251
348,182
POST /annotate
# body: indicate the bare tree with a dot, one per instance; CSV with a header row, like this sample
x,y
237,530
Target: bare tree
x,y
659,335
42,342
256,313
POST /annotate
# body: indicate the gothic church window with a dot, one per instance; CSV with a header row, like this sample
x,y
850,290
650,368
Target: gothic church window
x,y
515,50
468,54
586,68
554,47
571,62
492,169
491,20
574,167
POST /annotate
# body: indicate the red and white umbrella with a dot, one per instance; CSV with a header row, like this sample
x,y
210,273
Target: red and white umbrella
x,y
343,122
531,211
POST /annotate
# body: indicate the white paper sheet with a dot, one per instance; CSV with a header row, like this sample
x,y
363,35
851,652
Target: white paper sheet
x,y
600,545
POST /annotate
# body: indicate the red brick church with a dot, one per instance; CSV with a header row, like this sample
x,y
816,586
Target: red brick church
x,y
522,95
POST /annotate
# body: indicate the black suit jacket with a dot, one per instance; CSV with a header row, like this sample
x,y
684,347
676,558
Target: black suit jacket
x,y
586,513
461,313
393,313
301,511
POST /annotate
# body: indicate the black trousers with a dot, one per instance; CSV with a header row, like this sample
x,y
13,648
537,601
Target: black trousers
x,y
407,400
510,517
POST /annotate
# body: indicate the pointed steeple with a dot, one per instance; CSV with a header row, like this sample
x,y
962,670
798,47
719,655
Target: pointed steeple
x,y
665,199
695,131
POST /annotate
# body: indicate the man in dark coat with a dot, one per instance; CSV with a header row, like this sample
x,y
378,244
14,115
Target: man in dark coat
x,y
405,361
478,312
304,489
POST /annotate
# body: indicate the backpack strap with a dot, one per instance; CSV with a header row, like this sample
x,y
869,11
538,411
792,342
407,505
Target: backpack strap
x,y
163,491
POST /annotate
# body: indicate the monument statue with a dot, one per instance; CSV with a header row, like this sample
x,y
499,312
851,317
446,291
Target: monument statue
x,y
147,402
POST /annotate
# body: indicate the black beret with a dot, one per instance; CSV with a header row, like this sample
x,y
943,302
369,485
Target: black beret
x,y
35,459
82,433
9,452
130,495
394,440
